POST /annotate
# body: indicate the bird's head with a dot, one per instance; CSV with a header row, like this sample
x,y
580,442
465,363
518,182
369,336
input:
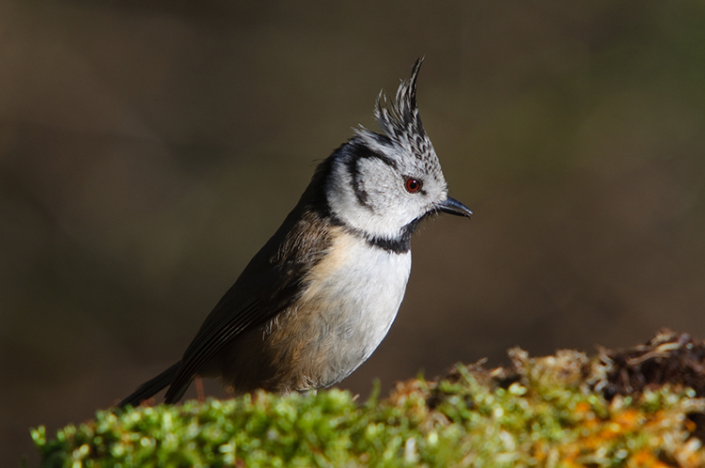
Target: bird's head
x,y
384,184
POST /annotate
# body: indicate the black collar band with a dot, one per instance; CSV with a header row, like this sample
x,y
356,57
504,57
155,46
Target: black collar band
x,y
397,245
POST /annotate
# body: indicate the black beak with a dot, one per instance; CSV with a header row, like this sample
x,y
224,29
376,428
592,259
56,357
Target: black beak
x,y
454,207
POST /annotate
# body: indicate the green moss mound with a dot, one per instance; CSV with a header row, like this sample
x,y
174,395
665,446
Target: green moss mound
x,y
542,412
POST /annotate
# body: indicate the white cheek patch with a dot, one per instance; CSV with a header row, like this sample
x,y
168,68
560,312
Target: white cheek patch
x,y
369,195
373,208
380,184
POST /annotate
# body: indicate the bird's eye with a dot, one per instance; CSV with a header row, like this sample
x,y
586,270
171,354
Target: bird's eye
x,y
412,185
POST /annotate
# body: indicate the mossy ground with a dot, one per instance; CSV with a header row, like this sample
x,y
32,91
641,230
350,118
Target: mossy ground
x,y
558,411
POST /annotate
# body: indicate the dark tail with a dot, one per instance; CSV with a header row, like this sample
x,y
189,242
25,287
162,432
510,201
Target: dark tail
x,y
151,387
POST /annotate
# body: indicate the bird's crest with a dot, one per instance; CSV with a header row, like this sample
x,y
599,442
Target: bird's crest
x,y
401,125
400,119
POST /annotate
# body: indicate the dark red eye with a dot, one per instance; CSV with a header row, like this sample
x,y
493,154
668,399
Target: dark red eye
x,y
412,185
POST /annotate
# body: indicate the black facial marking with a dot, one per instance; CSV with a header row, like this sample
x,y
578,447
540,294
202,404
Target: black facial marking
x,y
399,245
352,153
357,152
362,151
360,193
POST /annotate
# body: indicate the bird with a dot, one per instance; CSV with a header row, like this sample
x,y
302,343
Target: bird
x,y
319,297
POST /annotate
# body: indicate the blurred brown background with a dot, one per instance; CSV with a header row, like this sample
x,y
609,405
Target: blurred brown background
x,y
149,148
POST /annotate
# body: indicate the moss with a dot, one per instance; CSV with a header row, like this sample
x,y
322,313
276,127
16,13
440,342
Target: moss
x,y
541,412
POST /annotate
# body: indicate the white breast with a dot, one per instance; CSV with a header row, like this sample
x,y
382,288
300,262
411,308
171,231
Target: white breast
x,y
356,290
